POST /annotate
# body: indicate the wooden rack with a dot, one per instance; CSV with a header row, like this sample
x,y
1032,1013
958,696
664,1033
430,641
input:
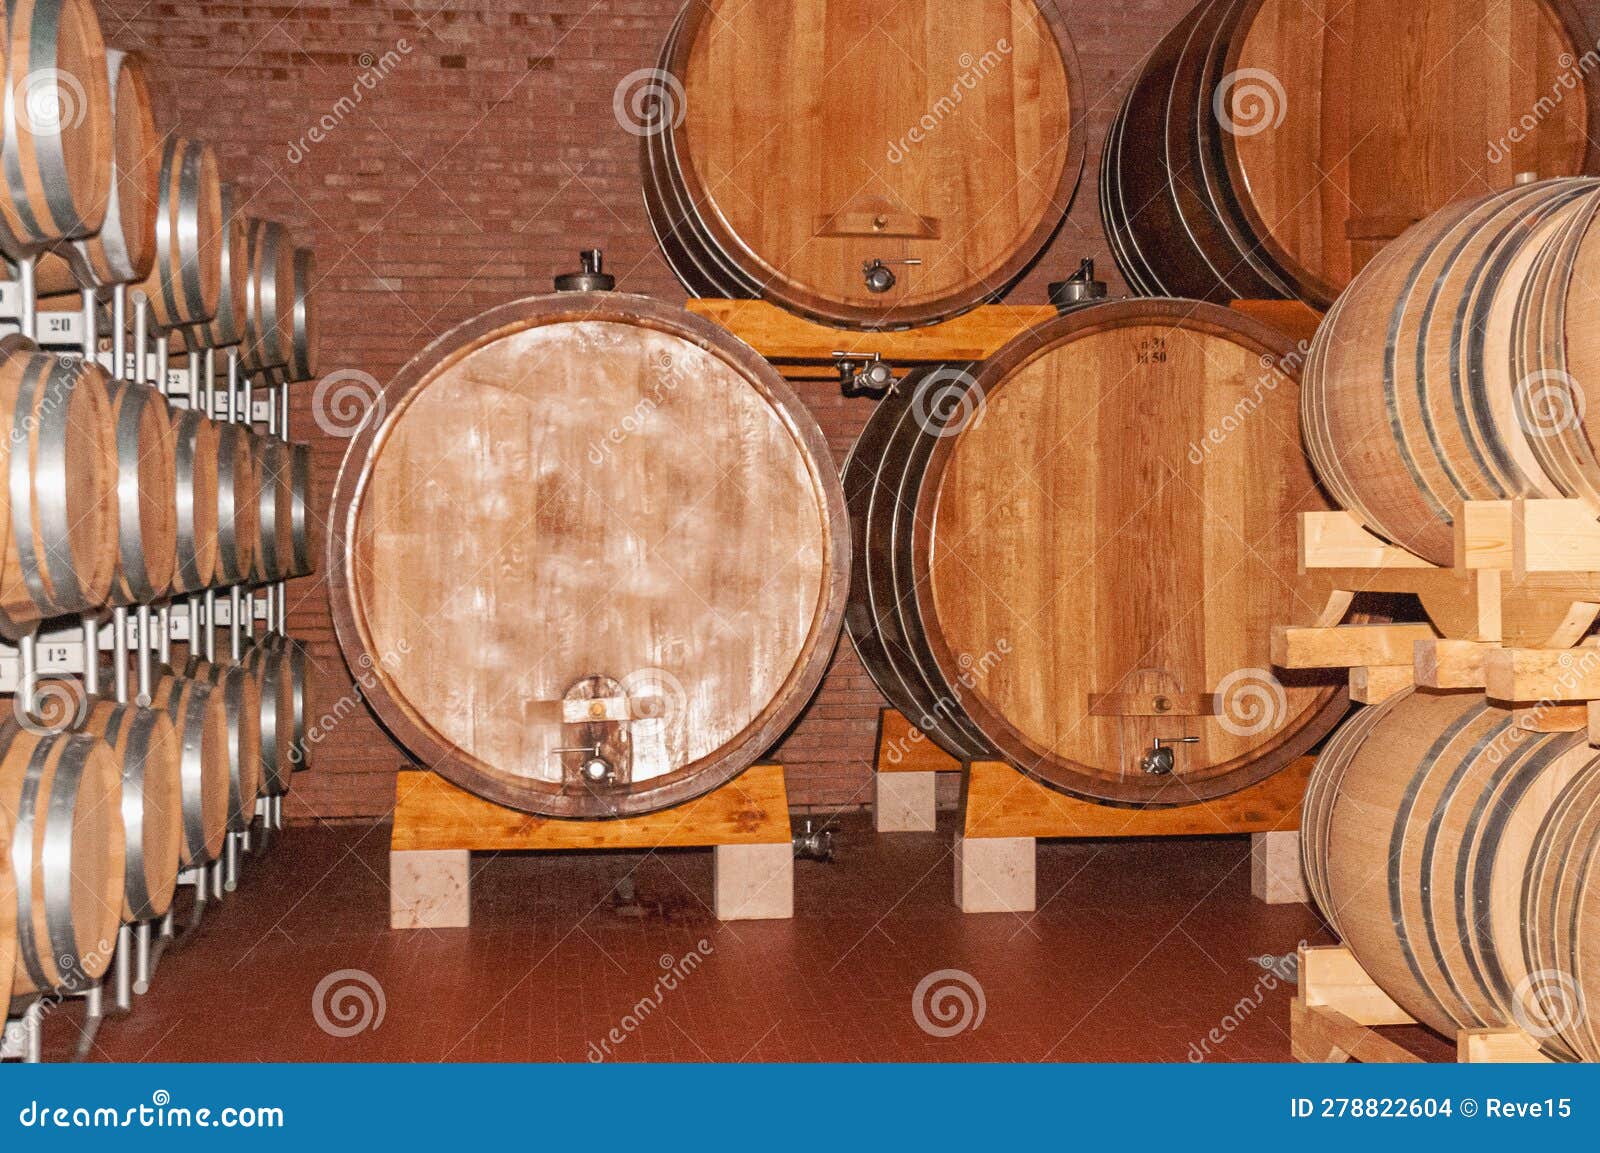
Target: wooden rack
x,y
1509,616
438,826
1338,1011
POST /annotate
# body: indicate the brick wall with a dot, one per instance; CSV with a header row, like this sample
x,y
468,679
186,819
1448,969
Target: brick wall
x,y
469,175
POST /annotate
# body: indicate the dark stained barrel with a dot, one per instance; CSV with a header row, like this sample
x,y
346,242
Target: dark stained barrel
x,y
679,641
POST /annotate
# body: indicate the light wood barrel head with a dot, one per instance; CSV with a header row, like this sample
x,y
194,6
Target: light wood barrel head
x,y
1351,121
957,143
146,749
623,503
1102,543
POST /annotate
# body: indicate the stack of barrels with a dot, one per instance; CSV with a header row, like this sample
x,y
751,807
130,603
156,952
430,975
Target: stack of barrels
x,y
1454,852
1271,148
120,501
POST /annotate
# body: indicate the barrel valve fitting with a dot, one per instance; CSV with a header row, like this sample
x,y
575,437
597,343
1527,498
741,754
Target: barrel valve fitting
x,y
880,277
1160,761
863,374
596,769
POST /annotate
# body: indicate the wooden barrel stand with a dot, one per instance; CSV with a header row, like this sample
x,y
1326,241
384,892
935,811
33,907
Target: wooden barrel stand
x,y
437,828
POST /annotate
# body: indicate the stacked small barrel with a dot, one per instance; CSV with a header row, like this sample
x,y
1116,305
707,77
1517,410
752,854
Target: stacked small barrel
x,y
1456,853
152,512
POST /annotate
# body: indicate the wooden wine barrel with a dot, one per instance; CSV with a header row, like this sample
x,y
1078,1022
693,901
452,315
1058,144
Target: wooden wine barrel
x,y
238,504
8,911
58,134
61,468
304,554
197,441
1559,917
147,493
274,552
63,794
227,326
296,751
1456,366
199,717
1080,547
240,690
305,329
1423,846
124,248
269,296
709,609
146,749
1273,147
956,144
185,283
275,673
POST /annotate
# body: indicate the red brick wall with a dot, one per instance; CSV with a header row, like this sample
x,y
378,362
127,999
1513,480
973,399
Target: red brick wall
x,y
467,177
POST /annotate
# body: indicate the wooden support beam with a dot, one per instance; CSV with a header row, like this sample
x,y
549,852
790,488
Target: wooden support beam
x,y
1346,646
1336,539
1374,684
1332,978
1448,664
1552,717
1483,531
1555,536
1527,675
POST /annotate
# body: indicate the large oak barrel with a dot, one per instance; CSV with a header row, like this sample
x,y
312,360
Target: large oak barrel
x,y
8,911
199,717
196,438
146,749
805,153
185,282
1457,366
1080,547
1272,147
240,690
60,485
124,248
55,159
62,793
238,504
269,296
147,493
1431,826
632,525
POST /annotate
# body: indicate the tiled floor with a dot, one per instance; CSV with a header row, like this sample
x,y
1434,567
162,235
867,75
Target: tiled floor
x,y
1140,950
